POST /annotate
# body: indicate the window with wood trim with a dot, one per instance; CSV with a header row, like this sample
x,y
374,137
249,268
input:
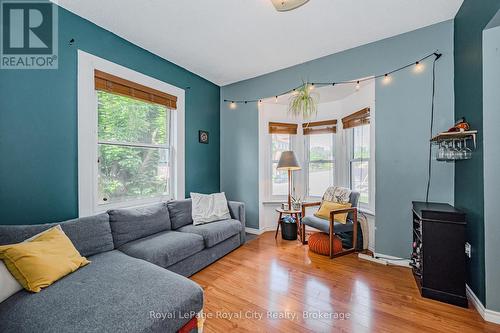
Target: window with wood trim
x,y
281,140
134,135
320,156
279,178
360,163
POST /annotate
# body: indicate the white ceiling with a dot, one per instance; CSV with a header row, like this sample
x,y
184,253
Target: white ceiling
x,y
326,94
226,41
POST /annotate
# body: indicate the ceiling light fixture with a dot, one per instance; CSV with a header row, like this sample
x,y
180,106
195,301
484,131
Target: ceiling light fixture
x,y
286,5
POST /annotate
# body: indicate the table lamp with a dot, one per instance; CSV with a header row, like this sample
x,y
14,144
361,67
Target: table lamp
x,y
288,161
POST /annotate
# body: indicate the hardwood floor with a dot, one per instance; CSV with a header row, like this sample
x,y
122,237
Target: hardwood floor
x,y
268,277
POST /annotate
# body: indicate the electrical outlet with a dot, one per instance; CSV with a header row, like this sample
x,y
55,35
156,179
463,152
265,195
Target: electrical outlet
x,y
468,249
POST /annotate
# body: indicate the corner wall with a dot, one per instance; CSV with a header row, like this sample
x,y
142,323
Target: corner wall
x,y
402,130
470,21
491,121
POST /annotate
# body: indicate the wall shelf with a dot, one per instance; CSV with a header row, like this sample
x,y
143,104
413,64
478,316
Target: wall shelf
x,y
450,136
454,146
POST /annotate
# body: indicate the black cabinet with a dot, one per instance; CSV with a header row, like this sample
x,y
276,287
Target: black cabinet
x,y
438,257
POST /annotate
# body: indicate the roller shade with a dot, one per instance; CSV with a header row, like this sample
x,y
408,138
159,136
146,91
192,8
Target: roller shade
x,y
359,118
320,127
282,128
119,86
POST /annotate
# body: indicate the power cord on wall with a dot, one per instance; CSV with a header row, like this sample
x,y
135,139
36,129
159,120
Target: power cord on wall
x,y
437,56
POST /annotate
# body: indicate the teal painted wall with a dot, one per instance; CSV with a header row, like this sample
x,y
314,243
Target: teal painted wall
x,y
470,21
402,119
38,125
491,120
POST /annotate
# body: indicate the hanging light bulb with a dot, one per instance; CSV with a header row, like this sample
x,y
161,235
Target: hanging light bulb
x,y
419,67
276,99
311,86
232,105
387,79
357,85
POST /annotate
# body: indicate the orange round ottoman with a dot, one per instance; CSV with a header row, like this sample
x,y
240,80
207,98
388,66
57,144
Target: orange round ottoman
x,y
319,243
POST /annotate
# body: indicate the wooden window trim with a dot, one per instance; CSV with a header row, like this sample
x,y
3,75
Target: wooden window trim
x,y
282,128
116,85
320,127
359,118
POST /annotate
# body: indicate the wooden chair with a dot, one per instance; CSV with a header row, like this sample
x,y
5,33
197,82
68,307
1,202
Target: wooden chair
x,y
331,227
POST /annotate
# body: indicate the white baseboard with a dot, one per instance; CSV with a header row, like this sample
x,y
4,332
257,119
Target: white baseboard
x,y
391,260
254,231
370,258
259,231
488,315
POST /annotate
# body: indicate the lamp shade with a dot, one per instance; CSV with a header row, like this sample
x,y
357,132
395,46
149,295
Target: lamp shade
x,y
285,5
288,161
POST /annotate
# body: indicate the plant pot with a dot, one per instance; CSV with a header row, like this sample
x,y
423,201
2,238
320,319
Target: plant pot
x,y
289,231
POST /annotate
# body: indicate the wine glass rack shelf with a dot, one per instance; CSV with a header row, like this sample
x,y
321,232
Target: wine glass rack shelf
x,y
454,146
450,136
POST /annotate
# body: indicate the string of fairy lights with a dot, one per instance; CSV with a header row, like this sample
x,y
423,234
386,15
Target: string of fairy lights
x,y
386,79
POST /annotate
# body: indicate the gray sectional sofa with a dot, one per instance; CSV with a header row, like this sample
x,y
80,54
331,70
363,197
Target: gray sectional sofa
x,y
136,282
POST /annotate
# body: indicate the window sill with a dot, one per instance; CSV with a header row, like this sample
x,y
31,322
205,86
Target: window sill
x,y
273,202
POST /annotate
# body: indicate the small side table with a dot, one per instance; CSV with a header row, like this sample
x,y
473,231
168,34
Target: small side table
x,y
298,216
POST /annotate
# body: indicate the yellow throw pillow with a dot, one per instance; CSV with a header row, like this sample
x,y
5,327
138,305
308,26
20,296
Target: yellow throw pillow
x,y
327,206
41,261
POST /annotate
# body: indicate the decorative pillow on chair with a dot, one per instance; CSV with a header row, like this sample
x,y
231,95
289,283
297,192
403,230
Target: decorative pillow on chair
x,y
327,206
209,208
42,260
337,194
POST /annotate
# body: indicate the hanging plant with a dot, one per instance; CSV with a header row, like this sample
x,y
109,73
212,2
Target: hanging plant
x,y
304,102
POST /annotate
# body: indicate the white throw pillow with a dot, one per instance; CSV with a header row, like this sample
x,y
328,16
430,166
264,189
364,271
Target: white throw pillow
x,y
8,284
209,208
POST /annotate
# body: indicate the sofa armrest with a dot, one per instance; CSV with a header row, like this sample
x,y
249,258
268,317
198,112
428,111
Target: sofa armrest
x,y
237,211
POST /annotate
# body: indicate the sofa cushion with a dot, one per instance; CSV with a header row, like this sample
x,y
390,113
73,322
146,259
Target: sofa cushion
x,y
165,248
180,213
129,224
115,293
90,235
215,232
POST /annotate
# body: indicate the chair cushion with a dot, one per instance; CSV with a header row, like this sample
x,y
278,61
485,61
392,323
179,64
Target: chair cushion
x,y
324,225
129,224
180,213
90,235
165,248
115,293
215,232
